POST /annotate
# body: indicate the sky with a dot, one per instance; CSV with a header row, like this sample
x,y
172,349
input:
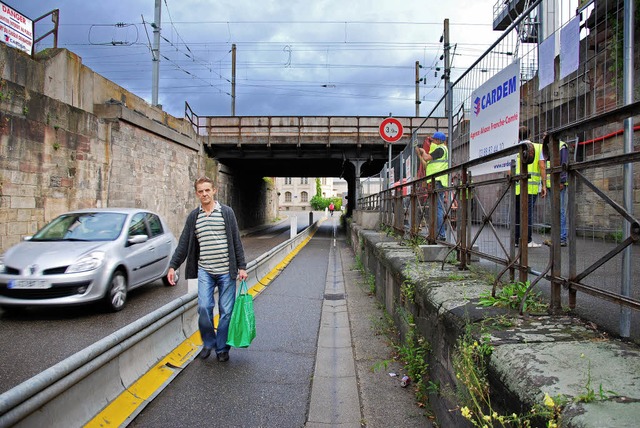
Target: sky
x,y
293,57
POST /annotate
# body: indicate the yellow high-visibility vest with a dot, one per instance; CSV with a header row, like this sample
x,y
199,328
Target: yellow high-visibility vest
x,y
436,165
534,171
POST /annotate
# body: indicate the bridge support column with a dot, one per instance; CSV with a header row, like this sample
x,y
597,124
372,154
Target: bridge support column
x,y
357,163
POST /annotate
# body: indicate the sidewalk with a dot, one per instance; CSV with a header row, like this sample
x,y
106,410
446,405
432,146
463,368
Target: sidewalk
x,y
351,385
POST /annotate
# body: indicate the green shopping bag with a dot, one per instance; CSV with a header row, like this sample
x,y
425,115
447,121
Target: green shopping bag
x,y
242,327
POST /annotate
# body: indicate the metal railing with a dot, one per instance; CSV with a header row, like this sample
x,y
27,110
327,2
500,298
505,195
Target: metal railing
x,y
55,15
592,108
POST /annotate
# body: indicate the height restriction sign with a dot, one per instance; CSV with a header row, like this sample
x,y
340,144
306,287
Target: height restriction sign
x,y
391,130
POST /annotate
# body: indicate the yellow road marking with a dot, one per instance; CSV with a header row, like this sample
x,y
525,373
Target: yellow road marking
x,y
152,382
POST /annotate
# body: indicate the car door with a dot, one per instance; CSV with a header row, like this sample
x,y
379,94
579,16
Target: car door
x,y
140,258
162,242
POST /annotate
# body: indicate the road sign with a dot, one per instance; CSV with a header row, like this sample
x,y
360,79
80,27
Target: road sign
x,y
391,130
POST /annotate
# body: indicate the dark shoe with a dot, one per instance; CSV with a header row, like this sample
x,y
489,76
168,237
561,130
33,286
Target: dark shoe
x,y
223,356
204,354
563,243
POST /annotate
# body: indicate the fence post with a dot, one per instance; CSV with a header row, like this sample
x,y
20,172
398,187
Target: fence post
x,y
555,305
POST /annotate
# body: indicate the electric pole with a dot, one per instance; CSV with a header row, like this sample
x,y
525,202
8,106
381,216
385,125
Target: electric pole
x,y
155,54
233,79
417,88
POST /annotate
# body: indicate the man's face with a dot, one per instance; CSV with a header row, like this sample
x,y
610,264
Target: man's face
x,y
205,192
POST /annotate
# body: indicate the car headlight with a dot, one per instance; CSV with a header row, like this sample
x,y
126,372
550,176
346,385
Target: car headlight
x,y
91,261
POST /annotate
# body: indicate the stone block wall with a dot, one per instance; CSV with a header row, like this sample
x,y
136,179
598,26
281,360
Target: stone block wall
x,y
69,139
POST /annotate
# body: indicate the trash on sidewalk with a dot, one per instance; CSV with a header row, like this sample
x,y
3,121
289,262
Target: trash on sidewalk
x,y
405,381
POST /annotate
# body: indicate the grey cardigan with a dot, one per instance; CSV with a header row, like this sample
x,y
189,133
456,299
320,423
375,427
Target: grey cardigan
x,y
189,249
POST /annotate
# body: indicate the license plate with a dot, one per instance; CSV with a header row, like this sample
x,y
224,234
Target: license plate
x,y
28,284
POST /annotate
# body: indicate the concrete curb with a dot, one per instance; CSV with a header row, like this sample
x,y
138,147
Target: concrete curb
x,y
537,355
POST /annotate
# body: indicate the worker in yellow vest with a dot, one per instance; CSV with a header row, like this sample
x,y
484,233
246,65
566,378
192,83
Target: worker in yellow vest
x,y
564,181
535,185
434,161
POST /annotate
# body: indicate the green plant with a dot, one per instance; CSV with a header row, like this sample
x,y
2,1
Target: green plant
x,y
388,230
413,353
371,281
359,266
499,321
590,394
408,291
25,110
473,393
56,146
511,296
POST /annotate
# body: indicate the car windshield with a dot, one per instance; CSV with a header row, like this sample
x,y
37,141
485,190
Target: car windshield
x,y
89,226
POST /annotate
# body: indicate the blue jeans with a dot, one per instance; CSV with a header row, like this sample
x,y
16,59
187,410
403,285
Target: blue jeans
x,y
563,214
530,206
440,230
206,302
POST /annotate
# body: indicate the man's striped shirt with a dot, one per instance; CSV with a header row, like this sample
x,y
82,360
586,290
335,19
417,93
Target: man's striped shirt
x,y
212,237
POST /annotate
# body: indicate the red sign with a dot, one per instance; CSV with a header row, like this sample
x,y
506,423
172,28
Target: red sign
x,y
391,130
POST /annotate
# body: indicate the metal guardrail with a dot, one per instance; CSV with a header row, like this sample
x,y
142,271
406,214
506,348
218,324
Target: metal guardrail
x,y
73,391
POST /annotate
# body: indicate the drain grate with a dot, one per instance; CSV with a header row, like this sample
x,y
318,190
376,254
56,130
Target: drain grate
x,y
337,296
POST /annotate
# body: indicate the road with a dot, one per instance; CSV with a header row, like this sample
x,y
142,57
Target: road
x,y
37,338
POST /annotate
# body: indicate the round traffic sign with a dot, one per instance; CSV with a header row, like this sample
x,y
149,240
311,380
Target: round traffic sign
x,y
391,130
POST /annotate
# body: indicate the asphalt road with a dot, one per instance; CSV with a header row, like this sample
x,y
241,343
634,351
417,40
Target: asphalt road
x,y
35,339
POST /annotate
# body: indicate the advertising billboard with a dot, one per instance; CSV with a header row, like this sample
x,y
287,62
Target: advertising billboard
x,y
495,118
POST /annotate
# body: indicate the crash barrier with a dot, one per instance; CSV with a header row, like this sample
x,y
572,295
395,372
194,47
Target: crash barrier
x,y
72,392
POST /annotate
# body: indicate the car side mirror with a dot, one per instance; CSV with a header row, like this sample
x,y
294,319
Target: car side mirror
x,y
137,239
27,238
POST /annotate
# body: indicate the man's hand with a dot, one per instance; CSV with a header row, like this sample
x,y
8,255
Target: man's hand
x,y
171,276
242,274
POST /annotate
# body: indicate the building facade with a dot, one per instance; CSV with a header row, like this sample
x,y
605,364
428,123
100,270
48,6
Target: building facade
x,y
295,193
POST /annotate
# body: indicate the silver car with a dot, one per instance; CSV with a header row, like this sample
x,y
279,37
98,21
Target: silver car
x,y
85,256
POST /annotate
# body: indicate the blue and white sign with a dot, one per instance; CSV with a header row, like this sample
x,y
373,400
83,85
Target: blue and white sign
x,y
495,118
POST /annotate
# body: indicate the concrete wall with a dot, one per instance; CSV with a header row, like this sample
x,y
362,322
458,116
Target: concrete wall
x,y
71,139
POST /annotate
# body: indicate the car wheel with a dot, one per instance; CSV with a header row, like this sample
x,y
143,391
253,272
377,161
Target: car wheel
x,y
116,295
176,277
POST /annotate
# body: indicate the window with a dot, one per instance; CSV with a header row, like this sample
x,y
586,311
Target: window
x,y
137,225
304,180
287,180
155,225
287,196
304,197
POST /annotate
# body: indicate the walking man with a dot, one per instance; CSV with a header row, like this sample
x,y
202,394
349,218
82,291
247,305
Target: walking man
x,y
210,242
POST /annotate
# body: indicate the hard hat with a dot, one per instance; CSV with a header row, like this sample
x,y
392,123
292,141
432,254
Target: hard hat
x,y
439,136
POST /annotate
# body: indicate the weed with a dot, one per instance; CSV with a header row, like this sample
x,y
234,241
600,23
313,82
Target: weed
x,y
359,266
56,146
511,296
25,110
408,291
371,281
499,321
456,277
590,394
470,363
413,354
